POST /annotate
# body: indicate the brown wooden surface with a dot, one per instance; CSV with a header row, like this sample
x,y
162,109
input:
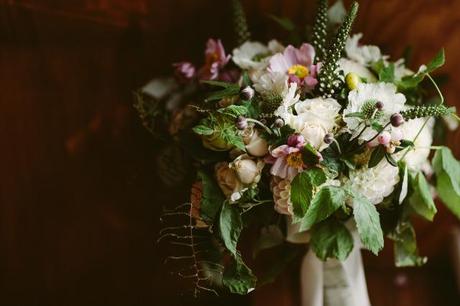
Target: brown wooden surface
x,y
79,199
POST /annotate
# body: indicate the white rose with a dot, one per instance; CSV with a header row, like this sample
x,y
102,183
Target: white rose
x,y
314,135
256,145
246,170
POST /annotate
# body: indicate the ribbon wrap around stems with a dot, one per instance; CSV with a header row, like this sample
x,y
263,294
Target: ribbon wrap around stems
x,y
331,282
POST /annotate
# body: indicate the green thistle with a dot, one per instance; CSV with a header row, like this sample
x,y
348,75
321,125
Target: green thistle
x,y
240,23
320,30
270,103
328,77
426,111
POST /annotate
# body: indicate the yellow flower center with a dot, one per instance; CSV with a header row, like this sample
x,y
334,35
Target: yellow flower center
x,y
294,160
299,71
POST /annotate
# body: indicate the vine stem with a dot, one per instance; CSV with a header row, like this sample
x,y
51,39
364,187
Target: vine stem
x,y
269,131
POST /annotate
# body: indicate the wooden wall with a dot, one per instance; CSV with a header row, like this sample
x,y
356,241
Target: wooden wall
x,y
79,198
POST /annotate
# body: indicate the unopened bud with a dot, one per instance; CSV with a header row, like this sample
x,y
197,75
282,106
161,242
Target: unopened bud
x,y
247,93
241,123
328,138
396,120
279,123
352,80
379,105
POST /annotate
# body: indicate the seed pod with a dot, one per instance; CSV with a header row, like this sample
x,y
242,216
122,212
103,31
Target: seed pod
x,y
396,120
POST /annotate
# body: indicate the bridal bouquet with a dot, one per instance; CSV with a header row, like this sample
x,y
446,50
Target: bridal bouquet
x,y
325,135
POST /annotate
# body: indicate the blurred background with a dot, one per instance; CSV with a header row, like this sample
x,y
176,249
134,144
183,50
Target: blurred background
x,y
79,196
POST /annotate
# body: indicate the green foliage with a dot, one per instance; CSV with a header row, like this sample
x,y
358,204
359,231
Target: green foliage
x,y
376,157
238,278
421,200
326,202
320,30
203,130
240,23
447,170
405,246
285,255
329,79
302,189
331,239
212,198
368,223
414,80
234,111
387,73
230,226
269,237
283,22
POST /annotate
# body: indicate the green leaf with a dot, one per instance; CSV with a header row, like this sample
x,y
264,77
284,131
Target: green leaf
x,y
376,156
310,156
302,189
391,160
270,237
234,110
447,194
356,115
285,255
405,246
283,22
230,226
323,205
331,239
211,199
444,161
387,74
238,278
421,200
412,81
220,84
438,61
404,173
368,223
203,130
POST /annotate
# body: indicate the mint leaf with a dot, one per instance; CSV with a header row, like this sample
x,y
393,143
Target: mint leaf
x,y
368,223
238,278
405,246
302,188
324,204
203,130
211,198
331,239
230,226
421,200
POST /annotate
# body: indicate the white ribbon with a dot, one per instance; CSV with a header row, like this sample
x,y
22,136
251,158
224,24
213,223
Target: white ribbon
x,y
330,283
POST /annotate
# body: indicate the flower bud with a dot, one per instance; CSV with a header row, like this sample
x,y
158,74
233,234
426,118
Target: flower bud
x,y
246,171
384,138
279,123
396,119
352,80
328,139
391,149
296,141
379,105
247,93
241,123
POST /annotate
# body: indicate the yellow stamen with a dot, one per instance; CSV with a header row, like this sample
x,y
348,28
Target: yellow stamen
x,y
294,160
299,71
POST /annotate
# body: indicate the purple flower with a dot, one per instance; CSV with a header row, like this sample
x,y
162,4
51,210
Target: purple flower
x,y
298,64
287,160
215,60
184,71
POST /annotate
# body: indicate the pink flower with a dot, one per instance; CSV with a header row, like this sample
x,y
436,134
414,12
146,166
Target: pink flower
x,y
287,159
215,60
298,64
184,71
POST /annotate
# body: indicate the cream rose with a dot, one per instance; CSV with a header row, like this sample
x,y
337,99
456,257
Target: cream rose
x,y
227,179
255,145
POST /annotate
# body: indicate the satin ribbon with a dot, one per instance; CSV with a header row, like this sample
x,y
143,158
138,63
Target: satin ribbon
x,y
331,283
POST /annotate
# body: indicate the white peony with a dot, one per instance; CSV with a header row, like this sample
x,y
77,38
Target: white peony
x,y
315,118
362,54
417,159
393,102
251,55
348,66
375,183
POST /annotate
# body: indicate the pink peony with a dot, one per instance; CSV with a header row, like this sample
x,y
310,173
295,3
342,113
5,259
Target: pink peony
x,y
297,64
215,60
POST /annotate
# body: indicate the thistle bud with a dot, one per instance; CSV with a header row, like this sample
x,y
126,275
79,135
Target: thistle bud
x,y
279,123
352,80
241,123
247,93
396,120
328,138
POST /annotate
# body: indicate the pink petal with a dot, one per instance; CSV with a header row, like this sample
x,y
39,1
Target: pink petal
x,y
278,63
306,55
279,151
279,168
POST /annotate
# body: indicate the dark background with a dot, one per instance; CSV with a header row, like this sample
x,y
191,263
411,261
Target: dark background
x,y
79,198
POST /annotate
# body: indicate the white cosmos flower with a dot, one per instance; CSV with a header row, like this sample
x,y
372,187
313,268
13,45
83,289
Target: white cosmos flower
x,y
314,119
375,183
348,66
417,159
393,102
362,54
251,55
290,97
270,82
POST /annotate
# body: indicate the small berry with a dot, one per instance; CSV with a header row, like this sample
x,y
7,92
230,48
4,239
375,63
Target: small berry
x,y
247,93
352,80
279,123
384,138
241,123
328,139
396,120
379,105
